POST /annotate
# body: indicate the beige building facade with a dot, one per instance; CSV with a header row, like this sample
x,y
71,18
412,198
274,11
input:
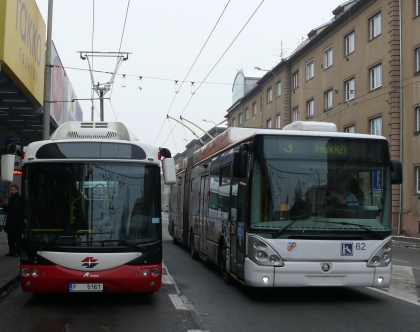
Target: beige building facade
x,y
361,71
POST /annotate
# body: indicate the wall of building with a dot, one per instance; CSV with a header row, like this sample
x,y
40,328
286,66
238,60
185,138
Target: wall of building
x,y
397,97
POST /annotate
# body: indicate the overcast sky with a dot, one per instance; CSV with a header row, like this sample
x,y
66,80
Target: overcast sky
x,y
165,37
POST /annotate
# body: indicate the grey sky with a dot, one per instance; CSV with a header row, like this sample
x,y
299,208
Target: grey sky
x,y
165,37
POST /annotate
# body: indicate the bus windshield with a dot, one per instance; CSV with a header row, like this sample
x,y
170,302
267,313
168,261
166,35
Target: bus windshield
x,y
91,203
319,184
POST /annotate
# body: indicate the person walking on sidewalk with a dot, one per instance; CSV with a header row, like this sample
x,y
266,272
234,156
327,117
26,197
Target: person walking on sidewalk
x,y
13,226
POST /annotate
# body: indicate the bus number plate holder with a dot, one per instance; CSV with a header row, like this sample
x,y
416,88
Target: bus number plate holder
x,y
86,287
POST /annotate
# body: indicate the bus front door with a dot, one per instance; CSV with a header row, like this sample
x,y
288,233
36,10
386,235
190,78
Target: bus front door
x,y
237,232
203,218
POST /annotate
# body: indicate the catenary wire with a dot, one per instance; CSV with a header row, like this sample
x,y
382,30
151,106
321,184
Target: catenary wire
x,y
217,63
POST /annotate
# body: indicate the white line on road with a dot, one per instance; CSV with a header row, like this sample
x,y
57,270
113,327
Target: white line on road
x,y
178,302
167,280
399,260
402,286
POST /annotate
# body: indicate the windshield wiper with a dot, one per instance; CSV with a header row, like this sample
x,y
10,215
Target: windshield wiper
x,y
345,223
280,231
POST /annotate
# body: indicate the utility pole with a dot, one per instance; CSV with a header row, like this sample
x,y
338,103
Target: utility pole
x,y
47,77
102,88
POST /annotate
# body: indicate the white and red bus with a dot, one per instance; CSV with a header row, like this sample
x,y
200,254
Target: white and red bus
x,y
91,197
265,205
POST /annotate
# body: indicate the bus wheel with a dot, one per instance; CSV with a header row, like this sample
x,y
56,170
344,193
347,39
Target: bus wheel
x,y
222,264
174,241
194,254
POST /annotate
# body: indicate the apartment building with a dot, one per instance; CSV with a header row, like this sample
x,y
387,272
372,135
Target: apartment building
x,y
361,71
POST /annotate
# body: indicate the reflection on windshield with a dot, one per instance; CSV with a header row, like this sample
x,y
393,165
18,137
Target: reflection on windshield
x,y
328,184
92,203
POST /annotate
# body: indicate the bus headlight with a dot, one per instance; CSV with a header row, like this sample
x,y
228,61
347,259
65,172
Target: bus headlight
x,y
155,272
381,257
26,272
262,253
145,272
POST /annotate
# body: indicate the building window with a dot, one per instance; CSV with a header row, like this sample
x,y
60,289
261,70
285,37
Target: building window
x,y
278,121
269,96
246,113
234,122
418,119
295,114
376,77
375,26
269,124
310,70
296,80
417,7
278,88
310,108
254,109
328,99
240,119
418,59
418,179
376,126
350,130
350,92
328,57
350,43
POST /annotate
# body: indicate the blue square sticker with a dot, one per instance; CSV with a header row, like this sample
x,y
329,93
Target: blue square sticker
x,y
346,249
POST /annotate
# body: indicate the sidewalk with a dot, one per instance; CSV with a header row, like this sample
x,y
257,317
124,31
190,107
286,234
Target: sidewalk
x,y
9,266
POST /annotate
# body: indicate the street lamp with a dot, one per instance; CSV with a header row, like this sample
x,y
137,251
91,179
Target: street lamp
x,y
210,121
275,83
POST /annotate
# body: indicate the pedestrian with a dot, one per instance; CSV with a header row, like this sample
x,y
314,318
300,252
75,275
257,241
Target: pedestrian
x,y
13,226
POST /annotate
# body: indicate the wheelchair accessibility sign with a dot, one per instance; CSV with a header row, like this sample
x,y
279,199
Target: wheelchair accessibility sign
x,y
346,249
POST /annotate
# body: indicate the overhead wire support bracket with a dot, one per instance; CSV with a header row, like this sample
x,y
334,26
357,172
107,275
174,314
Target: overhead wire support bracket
x,y
201,142
102,88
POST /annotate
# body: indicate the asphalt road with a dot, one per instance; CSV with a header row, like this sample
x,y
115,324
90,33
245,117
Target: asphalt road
x,y
195,298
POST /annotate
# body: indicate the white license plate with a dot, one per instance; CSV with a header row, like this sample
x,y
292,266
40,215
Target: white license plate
x,y
86,287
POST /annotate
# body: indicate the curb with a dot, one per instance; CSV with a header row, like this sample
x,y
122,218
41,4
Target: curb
x,y
6,286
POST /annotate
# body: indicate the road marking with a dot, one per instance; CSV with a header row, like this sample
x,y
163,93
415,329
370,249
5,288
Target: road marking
x,y
393,295
399,260
178,302
403,283
167,280
402,286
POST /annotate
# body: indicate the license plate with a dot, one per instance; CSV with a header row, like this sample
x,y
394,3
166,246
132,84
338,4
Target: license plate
x,y
86,287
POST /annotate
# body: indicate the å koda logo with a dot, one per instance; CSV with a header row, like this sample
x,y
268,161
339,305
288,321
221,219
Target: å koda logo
x,y
28,31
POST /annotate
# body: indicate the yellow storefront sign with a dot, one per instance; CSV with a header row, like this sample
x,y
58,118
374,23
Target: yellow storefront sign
x,y
22,46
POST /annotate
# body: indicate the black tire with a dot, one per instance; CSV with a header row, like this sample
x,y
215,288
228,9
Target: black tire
x,y
222,264
194,254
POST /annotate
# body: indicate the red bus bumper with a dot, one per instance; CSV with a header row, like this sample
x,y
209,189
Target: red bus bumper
x,y
122,279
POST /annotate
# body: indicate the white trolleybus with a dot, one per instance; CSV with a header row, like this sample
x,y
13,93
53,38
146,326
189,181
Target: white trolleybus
x,y
302,206
91,198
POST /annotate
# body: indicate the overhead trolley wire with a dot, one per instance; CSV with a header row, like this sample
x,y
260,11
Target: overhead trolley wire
x,y
218,20
217,63
119,50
